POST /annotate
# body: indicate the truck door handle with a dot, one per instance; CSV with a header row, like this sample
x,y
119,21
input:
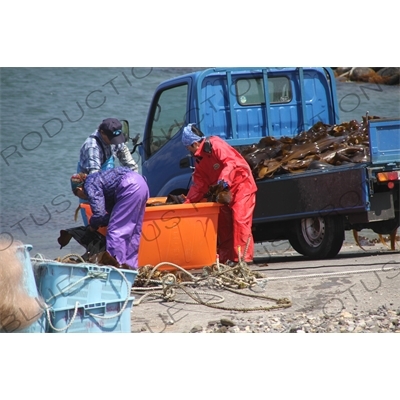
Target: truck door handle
x,y
184,162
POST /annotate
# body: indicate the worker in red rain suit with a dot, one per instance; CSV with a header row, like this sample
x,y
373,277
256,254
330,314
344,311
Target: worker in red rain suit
x,y
217,161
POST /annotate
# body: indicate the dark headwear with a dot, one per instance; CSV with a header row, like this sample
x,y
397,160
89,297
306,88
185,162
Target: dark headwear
x,y
112,127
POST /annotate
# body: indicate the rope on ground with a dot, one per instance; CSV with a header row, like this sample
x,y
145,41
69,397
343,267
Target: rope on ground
x,y
218,276
280,303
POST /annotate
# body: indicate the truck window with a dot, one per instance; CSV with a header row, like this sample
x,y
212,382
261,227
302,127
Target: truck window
x,y
251,91
168,117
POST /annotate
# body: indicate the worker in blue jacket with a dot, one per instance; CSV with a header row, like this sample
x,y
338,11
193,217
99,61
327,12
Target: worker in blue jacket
x,y
100,149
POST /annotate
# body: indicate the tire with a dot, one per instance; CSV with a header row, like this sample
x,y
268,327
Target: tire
x,y
318,238
294,242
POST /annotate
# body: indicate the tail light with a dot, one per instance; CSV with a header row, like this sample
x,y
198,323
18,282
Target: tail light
x,y
389,177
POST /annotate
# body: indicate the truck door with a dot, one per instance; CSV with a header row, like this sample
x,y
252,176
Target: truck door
x,y
167,116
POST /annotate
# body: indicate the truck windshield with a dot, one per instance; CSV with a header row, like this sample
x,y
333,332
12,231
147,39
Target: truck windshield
x,y
168,117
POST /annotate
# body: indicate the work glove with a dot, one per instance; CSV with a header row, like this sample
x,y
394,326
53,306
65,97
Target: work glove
x,y
125,158
224,197
219,193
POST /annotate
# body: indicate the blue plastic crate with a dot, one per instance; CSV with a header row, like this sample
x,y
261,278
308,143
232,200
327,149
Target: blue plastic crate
x,y
102,317
62,285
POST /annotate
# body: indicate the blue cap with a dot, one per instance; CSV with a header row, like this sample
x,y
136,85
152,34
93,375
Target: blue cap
x,y
188,137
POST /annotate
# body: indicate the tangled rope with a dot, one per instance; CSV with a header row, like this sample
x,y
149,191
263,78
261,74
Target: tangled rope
x,y
155,282
218,277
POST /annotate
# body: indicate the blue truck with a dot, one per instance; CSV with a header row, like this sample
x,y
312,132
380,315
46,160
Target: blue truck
x,y
313,209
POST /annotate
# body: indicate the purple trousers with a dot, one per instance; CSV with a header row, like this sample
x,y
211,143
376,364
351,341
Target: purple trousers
x,y
124,229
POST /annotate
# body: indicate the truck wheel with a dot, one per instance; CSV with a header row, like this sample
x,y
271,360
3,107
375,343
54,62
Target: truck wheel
x,y
294,242
320,237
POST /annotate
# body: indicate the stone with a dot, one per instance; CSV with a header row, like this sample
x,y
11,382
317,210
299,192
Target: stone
x,y
227,322
346,314
196,328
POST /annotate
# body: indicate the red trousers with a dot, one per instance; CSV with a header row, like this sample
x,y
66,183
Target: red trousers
x,y
234,229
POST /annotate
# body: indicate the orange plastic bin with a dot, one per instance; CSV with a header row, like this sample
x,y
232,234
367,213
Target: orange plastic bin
x,y
182,234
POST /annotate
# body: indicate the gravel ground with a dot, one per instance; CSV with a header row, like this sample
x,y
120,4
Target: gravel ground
x,y
381,320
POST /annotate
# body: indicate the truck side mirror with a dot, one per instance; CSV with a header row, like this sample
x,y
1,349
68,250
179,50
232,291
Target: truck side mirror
x,y
125,129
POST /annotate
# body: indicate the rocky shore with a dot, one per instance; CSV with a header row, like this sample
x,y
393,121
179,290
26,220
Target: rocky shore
x,y
381,320
377,75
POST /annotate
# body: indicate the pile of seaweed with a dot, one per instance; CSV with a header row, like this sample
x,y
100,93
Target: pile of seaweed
x,y
323,146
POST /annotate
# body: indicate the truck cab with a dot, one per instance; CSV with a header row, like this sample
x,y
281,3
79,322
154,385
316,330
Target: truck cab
x,y
233,104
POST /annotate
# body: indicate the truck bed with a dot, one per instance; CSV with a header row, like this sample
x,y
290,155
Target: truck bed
x,y
339,190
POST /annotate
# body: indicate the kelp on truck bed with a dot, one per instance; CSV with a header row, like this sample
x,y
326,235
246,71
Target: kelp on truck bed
x,y
322,146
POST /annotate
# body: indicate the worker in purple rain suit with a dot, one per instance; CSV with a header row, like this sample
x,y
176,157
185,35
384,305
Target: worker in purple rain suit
x,y
118,199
